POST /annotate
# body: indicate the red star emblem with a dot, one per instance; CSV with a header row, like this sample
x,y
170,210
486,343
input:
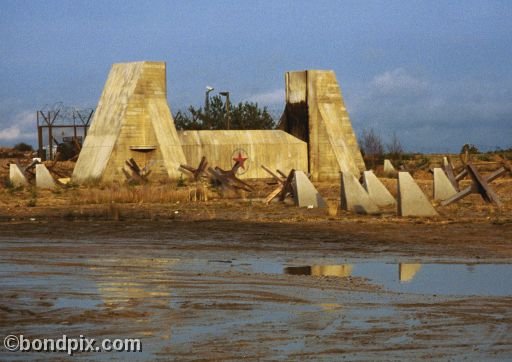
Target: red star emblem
x,y
240,159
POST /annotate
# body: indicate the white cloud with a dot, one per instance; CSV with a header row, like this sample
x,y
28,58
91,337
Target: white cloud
x,y
434,114
274,97
398,80
21,126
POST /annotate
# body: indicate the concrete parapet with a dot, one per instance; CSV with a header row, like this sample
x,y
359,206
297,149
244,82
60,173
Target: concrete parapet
x,y
16,176
443,188
378,193
44,179
306,194
354,197
389,169
411,200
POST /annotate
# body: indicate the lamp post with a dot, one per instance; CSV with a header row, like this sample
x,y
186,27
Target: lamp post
x,y
207,99
226,94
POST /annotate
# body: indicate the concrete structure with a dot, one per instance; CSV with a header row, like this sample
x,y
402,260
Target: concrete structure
x,y
315,112
443,188
407,272
275,149
132,120
411,200
389,169
305,192
378,193
16,176
44,179
354,197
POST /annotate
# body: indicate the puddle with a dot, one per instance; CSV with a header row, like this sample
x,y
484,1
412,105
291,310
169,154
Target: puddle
x,y
436,279
82,303
429,278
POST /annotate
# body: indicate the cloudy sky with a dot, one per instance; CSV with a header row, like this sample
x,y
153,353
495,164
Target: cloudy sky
x,y
438,73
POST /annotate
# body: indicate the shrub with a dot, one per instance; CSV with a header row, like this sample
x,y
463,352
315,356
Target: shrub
x,y
23,147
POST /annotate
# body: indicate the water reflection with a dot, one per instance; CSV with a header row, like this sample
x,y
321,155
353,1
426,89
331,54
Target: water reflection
x,y
407,272
442,278
343,270
126,282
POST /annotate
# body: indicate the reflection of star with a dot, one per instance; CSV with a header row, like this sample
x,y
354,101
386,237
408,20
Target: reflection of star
x,y
240,159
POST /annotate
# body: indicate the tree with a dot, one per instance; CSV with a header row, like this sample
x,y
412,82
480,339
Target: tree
x,y
469,148
23,147
394,148
242,116
371,146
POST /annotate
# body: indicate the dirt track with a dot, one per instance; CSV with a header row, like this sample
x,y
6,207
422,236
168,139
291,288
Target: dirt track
x,y
211,290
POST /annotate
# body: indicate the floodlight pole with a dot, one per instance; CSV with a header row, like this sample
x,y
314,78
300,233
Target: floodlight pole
x,y
207,99
228,117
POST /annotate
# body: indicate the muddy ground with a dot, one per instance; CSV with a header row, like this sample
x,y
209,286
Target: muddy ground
x,y
207,283
232,279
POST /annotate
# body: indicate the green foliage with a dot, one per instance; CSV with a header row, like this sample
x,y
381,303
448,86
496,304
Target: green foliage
x,y
242,116
472,149
23,147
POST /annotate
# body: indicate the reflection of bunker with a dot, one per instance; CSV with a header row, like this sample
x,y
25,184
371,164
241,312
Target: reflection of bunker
x,y
343,270
406,272
133,120
129,281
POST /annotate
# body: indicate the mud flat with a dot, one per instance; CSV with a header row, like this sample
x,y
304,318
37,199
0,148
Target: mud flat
x,y
238,289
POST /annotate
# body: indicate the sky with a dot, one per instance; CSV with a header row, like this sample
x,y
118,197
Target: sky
x,y
438,74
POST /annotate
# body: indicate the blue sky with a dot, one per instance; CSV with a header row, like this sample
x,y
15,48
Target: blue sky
x,y
438,73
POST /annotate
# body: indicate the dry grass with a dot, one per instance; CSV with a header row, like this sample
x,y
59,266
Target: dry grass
x,y
158,194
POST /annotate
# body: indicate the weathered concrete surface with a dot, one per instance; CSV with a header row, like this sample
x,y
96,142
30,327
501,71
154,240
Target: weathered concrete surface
x,y
411,200
44,179
354,197
16,176
275,149
132,120
443,188
316,113
306,193
378,193
389,170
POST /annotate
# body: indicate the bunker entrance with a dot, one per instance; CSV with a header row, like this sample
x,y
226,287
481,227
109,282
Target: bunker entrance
x,y
295,121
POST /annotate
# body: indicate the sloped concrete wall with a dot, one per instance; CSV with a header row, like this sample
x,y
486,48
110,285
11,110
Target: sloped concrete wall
x,y
332,144
132,120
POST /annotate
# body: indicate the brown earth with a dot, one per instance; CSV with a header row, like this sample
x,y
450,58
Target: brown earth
x,y
203,280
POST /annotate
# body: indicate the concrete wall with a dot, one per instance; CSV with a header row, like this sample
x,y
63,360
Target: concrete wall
x,y
316,113
274,149
132,120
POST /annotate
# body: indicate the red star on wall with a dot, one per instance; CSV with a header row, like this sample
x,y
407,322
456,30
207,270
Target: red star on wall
x,y
240,159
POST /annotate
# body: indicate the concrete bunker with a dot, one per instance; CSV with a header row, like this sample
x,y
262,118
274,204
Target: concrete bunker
x,y
133,122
